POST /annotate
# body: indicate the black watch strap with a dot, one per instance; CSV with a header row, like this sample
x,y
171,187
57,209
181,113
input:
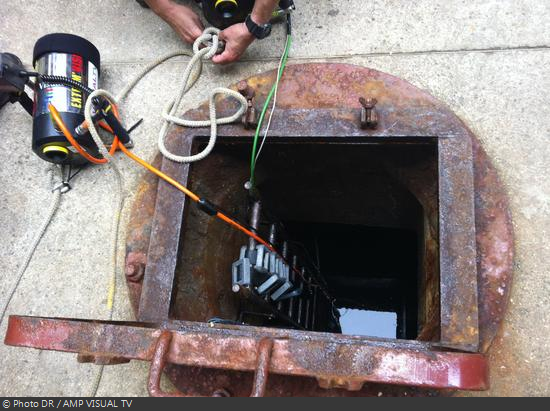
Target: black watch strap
x,y
260,31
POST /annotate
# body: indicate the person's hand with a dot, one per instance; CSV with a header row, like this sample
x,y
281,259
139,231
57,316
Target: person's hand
x,y
237,38
183,20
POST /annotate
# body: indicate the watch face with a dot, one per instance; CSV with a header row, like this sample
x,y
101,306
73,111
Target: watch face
x,y
267,30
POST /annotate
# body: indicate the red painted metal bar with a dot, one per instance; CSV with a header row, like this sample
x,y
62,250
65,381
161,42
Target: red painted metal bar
x,y
159,361
336,359
265,350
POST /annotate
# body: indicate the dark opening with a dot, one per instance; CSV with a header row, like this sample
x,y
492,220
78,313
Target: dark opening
x,y
366,214
367,269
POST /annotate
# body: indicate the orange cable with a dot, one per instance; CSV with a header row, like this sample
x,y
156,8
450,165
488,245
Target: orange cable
x,y
116,144
194,197
159,173
249,233
61,124
100,124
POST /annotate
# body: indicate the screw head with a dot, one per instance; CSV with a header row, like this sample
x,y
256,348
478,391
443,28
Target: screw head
x,y
242,85
130,270
134,272
245,89
368,103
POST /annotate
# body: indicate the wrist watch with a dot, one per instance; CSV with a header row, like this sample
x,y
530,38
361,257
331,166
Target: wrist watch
x,y
260,31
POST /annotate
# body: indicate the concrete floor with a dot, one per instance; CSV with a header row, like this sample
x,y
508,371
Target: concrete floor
x,y
487,59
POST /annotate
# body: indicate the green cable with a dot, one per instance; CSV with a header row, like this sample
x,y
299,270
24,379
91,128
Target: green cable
x,y
266,106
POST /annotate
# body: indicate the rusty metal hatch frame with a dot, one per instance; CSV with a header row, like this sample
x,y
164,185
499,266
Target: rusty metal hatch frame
x,y
320,100
457,247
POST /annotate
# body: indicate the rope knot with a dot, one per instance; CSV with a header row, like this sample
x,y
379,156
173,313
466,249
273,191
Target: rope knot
x,y
207,43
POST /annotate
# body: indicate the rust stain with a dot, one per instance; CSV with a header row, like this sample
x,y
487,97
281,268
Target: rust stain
x,y
314,360
330,86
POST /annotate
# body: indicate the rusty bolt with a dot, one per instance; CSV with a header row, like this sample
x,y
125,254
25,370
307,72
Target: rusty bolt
x,y
134,272
245,90
369,116
250,118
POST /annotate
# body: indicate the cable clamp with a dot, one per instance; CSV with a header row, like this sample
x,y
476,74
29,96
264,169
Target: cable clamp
x,y
207,207
63,187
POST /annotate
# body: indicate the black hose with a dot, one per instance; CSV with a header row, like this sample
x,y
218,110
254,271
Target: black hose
x,y
49,79
288,24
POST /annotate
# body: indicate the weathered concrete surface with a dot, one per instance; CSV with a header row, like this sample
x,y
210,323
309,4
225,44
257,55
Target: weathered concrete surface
x,y
487,59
